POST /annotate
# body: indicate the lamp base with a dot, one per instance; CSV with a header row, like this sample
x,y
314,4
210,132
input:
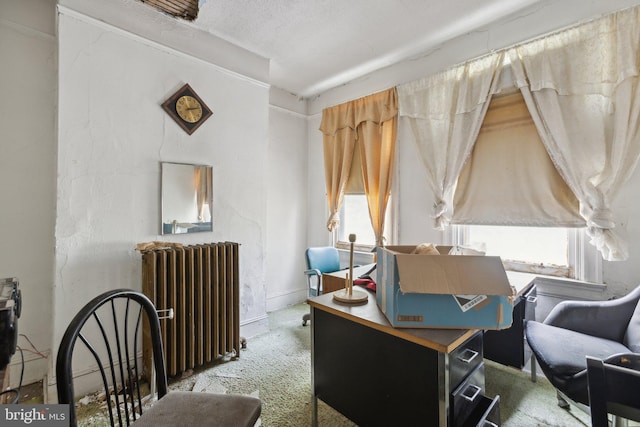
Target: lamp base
x,y
357,296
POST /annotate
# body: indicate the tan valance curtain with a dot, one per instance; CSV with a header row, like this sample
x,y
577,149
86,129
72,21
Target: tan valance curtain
x,y
509,178
370,125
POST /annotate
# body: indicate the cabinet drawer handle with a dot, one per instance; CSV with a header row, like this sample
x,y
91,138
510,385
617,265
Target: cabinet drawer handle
x,y
467,359
475,392
532,300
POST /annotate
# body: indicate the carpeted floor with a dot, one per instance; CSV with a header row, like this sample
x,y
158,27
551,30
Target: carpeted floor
x,y
276,367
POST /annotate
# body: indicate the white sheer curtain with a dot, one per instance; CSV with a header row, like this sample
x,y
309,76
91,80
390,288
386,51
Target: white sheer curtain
x,y
581,88
445,112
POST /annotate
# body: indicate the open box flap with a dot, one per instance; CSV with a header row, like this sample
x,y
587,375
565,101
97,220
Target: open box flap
x,y
452,274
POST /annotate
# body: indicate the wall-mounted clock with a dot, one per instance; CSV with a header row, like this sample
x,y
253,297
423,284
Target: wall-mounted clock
x,y
187,109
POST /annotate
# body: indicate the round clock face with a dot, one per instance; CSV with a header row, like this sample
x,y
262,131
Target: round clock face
x,y
189,109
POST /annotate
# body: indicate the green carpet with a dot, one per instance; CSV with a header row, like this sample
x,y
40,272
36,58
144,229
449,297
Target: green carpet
x,y
276,367
525,403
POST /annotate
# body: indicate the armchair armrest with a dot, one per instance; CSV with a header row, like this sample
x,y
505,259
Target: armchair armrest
x,y
626,360
604,319
312,272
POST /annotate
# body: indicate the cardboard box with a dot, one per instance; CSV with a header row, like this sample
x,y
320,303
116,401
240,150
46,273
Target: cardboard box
x,y
442,291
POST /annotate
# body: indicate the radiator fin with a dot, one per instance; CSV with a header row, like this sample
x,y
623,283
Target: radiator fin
x,y
201,284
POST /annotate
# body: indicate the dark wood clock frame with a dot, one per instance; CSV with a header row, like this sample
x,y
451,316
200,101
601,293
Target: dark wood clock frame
x,y
170,107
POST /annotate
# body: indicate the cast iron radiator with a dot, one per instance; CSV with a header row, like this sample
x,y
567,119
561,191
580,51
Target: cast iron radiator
x,y
200,283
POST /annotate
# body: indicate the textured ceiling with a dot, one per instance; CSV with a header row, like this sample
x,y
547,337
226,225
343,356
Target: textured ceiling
x,y
316,45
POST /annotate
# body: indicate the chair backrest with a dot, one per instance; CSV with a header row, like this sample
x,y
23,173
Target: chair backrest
x,y
613,388
632,334
325,259
110,327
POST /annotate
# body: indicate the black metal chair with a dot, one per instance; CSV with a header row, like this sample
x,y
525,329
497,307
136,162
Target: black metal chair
x,y
114,338
613,388
574,330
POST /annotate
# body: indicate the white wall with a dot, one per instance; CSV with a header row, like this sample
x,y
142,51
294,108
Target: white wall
x,y
112,136
318,235
625,275
286,208
27,169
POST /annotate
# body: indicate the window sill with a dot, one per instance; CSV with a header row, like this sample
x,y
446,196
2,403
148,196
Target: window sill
x,y
558,271
561,287
356,248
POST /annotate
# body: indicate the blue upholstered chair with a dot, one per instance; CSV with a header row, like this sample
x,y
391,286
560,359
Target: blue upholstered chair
x,y
574,330
324,259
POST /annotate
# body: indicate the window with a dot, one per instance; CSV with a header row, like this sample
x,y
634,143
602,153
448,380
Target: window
x,y
533,249
510,179
354,219
552,251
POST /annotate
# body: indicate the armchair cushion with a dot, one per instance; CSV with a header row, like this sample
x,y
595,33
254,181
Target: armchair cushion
x,y
576,329
564,351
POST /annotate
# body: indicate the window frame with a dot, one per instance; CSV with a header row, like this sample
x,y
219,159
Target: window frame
x,y
389,228
585,262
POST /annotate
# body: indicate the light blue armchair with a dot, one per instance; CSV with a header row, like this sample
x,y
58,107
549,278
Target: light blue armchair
x,y
324,259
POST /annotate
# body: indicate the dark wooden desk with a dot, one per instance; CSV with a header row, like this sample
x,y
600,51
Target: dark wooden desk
x,y
377,375
336,280
508,346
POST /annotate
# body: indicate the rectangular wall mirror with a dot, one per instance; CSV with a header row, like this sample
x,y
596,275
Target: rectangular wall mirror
x,y
186,198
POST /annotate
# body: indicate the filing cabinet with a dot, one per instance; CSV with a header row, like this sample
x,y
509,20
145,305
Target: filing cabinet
x,y
468,405
485,414
508,346
464,360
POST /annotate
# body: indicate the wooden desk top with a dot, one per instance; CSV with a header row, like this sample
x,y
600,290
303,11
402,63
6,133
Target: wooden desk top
x,y
368,314
520,281
357,271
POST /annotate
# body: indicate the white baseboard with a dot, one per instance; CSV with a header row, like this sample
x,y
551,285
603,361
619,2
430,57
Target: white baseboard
x,y
276,302
256,326
35,367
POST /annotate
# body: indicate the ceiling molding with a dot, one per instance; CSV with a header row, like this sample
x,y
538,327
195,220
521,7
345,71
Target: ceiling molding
x,y
163,31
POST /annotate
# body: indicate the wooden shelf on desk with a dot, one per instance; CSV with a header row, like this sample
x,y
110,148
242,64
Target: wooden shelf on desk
x,y
336,280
